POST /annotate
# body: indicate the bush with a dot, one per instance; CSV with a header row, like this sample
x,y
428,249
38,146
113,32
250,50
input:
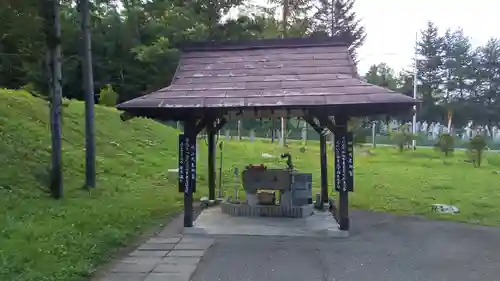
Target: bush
x,y
476,148
108,96
33,90
445,144
403,137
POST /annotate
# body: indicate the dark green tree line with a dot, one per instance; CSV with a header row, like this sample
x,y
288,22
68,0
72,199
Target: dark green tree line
x,y
134,41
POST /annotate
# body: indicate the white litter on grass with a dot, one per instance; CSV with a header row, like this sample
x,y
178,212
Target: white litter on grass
x,y
176,170
267,155
442,208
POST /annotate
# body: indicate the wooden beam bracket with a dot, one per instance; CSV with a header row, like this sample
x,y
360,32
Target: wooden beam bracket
x,y
312,122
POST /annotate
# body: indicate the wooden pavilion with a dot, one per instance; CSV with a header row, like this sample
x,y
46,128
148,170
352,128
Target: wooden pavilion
x,y
311,78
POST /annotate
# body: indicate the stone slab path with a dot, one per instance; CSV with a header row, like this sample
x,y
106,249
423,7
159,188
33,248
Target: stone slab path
x,y
161,259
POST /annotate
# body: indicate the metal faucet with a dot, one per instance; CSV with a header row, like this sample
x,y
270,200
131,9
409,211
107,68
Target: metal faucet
x,y
288,161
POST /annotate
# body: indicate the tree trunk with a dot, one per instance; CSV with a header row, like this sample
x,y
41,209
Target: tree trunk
x,y
53,32
286,11
88,86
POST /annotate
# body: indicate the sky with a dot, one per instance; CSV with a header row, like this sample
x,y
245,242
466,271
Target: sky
x,y
392,25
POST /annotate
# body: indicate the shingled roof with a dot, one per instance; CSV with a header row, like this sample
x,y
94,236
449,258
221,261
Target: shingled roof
x,y
292,74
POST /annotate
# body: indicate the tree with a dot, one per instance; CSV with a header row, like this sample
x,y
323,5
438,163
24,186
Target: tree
x,y
88,86
430,72
337,18
445,144
134,43
458,74
452,77
476,148
457,63
51,14
22,44
382,75
402,137
487,98
107,96
294,16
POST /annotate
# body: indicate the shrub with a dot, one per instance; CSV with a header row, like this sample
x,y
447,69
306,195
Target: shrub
x,y
108,96
445,144
402,137
33,90
476,148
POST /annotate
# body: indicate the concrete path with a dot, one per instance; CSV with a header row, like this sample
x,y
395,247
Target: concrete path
x,y
381,247
161,259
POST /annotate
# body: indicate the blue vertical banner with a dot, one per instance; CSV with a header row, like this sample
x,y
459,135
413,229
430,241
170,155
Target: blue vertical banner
x,y
191,144
339,162
187,164
182,162
349,162
344,163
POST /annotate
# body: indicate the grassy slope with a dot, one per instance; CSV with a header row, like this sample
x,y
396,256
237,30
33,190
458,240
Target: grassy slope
x,y
42,239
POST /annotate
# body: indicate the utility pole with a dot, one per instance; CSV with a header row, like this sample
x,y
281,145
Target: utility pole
x,y
374,129
415,78
88,86
285,26
283,133
51,12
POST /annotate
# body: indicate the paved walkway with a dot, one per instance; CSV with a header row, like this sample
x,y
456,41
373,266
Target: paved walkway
x,y
381,247
161,259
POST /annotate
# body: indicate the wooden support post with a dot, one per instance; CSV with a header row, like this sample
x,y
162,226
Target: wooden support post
x,y
212,126
340,132
344,221
211,161
189,169
187,165
323,157
343,165
324,165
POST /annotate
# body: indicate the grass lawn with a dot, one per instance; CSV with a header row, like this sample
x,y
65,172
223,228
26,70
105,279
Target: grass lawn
x,y
390,181
43,239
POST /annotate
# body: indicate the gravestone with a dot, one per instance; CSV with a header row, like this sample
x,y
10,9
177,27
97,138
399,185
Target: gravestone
x,y
304,133
425,127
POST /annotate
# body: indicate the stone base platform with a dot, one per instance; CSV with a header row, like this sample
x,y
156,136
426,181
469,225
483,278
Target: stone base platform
x,y
266,210
212,221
